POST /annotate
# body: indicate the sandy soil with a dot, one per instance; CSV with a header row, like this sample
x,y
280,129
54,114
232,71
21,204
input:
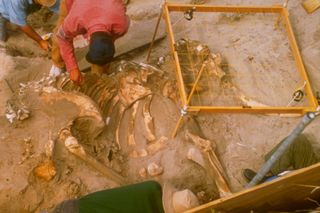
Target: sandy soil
x,y
260,67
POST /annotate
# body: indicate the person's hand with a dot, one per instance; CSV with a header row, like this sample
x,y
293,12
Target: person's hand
x,y
45,45
76,76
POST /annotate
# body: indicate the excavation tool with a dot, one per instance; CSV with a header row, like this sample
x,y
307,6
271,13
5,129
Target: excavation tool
x,y
311,5
306,120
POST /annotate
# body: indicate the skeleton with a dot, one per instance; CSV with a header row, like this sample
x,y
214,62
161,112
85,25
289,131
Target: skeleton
x,y
122,106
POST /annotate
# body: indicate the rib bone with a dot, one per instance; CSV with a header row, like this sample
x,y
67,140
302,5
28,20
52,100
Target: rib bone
x,y
131,139
148,120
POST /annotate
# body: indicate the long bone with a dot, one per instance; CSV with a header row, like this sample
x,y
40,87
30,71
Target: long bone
x,y
148,120
217,170
75,148
131,139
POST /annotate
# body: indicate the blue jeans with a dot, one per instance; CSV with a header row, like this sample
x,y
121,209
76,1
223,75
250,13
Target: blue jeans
x,y
3,30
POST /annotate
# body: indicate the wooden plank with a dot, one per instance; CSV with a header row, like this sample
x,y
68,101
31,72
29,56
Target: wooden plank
x,y
298,59
180,80
263,110
281,193
139,32
225,8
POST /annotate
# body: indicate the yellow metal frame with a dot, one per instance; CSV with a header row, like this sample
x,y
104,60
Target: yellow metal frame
x,y
185,98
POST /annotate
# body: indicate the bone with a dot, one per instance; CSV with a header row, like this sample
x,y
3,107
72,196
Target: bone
x,y
139,153
114,102
121,112
169,90
217,170
88,110
184,200
160,144
196,156
148,120
143,172
131,139
203,144
131,89
75,148
154,169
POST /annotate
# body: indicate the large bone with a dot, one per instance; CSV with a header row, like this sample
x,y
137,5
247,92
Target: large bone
x,y
75,148
217,170
88,110
131,139
148,120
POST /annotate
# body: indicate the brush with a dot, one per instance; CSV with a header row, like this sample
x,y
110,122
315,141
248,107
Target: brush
x,y
311,5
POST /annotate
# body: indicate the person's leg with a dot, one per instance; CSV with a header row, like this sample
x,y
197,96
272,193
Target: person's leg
x,y
3,30
299,155
55,52
143,197
303,153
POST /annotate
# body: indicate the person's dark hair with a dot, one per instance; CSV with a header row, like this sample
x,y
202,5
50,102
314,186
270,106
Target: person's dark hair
x,y
101,49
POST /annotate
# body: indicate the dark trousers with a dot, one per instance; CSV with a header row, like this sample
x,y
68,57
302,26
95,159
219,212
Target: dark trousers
x,y
299,155
3,30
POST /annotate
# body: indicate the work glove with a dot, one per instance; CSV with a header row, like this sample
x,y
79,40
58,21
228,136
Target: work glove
x,y
55,71
45,45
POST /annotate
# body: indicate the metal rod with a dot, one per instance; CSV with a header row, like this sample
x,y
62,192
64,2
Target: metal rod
x,y
154,34
189,99
306,120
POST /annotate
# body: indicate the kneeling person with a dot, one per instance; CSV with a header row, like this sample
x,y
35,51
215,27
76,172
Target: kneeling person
x,y
100,21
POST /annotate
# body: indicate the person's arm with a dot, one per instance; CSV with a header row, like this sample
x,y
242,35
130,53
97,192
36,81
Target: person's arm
x,y
29,31
67,53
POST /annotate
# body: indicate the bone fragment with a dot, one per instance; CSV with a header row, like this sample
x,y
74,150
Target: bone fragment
x,y
196,156
75,148
202,144
143,172
148,120
131,139
160,144
154,169
139,153
184,200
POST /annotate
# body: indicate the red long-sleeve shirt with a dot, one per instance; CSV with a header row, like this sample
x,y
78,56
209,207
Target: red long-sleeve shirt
x,y
86,17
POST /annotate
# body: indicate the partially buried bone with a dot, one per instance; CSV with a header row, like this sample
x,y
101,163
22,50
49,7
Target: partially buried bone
x,y
121,112
196,156
131,139
75,148
148,120
154,169
158,145
217,170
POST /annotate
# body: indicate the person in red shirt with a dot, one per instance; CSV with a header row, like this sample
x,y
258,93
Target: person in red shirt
x,y
102,21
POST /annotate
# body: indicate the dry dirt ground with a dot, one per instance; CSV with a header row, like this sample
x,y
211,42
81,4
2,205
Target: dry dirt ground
x,y
259,67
